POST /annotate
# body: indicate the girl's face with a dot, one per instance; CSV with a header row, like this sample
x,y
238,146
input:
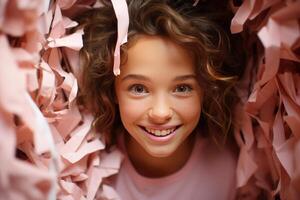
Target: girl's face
x,y
158,95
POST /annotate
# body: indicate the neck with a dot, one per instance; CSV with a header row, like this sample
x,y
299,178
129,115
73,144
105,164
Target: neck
x,y
150,166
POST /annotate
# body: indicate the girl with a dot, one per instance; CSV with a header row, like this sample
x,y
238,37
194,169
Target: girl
x,y
169,111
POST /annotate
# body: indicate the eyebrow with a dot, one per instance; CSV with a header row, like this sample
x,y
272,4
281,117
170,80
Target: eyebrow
x,y
185,77
135,76
144,78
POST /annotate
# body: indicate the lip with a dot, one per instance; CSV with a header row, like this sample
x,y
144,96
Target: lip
x,y
160,138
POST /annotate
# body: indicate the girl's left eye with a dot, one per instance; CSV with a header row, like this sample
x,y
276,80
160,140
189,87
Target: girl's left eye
x,y
183,89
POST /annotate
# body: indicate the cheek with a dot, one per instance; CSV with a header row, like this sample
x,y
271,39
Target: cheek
x,y
131,110
190,109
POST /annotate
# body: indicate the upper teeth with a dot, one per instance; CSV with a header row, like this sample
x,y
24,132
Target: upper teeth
x,y
160,132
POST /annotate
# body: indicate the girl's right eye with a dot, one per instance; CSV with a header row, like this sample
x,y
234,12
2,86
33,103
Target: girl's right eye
x,y
138,89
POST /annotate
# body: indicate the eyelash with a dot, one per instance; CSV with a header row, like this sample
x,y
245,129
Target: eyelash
x,y
143,90
187,88
133,89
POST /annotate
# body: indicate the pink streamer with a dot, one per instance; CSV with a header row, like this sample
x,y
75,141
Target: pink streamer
x,y
121,12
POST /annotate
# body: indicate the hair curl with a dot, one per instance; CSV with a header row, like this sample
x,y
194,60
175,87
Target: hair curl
x,y
201,30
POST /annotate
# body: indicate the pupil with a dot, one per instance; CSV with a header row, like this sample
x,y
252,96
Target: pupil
x,y
139,89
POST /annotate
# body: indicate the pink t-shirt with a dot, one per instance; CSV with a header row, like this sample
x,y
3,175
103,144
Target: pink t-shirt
x,y
209,174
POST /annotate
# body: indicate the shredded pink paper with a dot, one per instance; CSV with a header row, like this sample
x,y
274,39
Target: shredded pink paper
x,y
268,132
49,149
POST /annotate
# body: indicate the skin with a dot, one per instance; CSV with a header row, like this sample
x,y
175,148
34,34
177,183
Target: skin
x,y
157,89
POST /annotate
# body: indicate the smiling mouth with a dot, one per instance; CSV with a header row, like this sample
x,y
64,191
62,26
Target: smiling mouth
x,y
160,133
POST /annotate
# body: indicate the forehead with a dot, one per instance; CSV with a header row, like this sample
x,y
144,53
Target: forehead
x,y
157,53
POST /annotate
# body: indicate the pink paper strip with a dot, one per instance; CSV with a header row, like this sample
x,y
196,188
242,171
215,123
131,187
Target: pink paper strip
x,y
121,11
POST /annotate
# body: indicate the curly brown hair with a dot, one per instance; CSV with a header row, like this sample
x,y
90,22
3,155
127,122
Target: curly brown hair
x,y
202,30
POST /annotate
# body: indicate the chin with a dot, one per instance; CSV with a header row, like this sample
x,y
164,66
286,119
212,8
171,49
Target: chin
x,y
160,152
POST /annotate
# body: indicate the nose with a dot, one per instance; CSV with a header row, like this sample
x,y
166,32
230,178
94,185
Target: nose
x,y
161,110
